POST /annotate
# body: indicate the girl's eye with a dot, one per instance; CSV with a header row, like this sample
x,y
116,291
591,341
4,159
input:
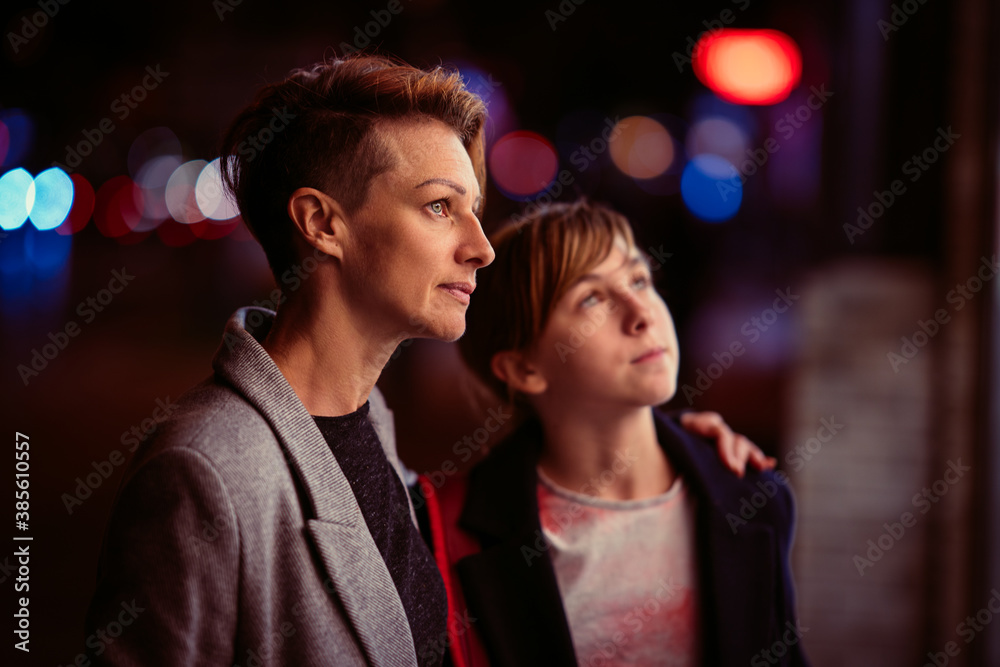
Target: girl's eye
x,y
641,281
588,301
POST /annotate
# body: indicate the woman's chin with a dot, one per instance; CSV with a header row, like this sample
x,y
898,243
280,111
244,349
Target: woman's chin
x,y
447,331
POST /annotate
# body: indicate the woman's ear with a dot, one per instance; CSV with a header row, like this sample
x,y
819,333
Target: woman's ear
x,y
514,368
319,219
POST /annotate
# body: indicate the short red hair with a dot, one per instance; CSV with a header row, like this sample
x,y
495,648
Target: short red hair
x,y
327,137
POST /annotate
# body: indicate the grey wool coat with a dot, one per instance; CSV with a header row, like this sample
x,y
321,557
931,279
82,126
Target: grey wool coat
x,y
235,538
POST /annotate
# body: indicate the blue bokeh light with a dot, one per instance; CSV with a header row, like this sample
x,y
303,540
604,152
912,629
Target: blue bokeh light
x,y
53,199
47,253
15,188
711,188
21,131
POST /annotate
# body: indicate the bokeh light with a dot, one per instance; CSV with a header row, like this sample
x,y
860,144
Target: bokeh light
x,y
709,105
83,206
4,141
153,156
210,195
152,178
717,136
209,230
53,199
176,234
16,186
20,135
711,188
522,164
501,118
118,207
48,254
180,195
156,142
748,66
641,147
14,265
794,171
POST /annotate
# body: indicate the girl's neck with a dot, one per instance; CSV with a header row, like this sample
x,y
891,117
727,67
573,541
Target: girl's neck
x,y
616,457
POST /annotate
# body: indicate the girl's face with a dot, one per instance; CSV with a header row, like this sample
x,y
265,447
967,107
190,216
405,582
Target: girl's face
x,y
610,340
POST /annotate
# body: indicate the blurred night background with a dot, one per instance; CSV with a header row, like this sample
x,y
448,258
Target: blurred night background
x,y
820,196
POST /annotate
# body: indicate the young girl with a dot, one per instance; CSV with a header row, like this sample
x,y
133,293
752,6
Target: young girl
x,y
601,532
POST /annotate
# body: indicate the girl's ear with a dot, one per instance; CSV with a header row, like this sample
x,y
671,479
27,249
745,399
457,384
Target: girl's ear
x,y
514,368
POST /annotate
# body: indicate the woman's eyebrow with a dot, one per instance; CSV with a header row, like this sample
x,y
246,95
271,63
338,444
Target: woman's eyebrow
x,y
477,206
443,181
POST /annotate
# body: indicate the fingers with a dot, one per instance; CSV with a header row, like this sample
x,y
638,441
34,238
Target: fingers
x,y
706,424
732,451
758,459
735,450
741,451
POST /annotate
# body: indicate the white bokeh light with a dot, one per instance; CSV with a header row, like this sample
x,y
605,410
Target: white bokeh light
x,y
211,195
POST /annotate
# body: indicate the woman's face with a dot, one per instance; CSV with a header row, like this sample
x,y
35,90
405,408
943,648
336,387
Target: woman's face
x,y
610,340
417,240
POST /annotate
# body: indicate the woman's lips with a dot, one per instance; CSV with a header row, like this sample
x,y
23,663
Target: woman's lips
x,y
460,291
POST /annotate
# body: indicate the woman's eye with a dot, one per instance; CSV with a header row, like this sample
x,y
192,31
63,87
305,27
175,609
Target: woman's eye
x,y
640,281
439,207
589,300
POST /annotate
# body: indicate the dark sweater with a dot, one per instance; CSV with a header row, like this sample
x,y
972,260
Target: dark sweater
x,y
383,502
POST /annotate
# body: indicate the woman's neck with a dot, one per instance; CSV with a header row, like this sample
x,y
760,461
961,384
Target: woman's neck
x,y
330,363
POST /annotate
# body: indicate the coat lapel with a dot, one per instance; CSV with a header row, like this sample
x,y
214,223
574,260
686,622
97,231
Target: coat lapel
x,y
367,592
737,567
510,586
345,547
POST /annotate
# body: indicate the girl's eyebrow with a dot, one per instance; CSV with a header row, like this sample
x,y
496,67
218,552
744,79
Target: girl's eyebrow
x,y
630,263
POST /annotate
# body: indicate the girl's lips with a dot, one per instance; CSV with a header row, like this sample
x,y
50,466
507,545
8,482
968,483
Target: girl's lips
x,y
650,355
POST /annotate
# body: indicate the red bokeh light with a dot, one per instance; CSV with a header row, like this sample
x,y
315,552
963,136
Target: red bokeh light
x,y
176,234
523,163
209,229
118,207
83,206
748,66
